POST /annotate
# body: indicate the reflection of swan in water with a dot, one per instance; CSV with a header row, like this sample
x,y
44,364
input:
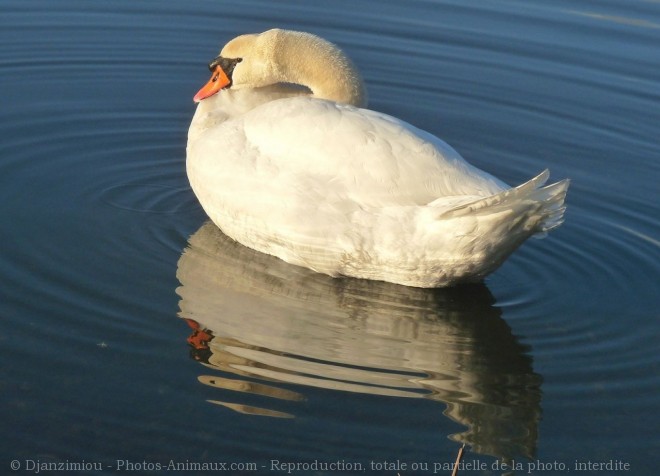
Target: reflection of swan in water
x,y
256,316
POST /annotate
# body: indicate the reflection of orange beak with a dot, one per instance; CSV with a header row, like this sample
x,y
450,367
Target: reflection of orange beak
x,y
219,80
200,338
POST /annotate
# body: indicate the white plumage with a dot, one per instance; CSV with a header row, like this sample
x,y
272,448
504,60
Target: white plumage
x,y
302,174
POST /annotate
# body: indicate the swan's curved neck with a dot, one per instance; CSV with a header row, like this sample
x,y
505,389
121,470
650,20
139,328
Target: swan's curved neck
x,y
310,61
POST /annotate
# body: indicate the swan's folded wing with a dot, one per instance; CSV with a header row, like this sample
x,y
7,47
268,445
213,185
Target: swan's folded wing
x,y
381,160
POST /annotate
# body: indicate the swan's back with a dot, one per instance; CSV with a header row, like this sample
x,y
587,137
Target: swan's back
x,y
376,159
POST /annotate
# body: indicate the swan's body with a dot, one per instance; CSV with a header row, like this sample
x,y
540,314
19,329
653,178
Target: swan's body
x,y
305,175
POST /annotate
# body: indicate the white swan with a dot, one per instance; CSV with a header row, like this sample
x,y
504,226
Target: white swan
x,y
285,160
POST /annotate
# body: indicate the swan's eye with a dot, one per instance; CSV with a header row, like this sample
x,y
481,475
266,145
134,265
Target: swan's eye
x,y
227,64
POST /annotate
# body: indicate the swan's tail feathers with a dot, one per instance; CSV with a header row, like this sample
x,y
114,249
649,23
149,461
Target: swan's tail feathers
x,y
542,206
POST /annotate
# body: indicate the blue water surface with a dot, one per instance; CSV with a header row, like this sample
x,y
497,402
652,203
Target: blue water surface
x,y
135,336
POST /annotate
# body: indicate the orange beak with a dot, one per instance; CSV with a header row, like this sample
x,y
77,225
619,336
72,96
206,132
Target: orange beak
x,y
218,81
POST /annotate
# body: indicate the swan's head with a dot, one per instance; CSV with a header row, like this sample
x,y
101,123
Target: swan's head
x,y
255,55
282,56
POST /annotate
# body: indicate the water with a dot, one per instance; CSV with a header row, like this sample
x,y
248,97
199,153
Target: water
x,y
134,334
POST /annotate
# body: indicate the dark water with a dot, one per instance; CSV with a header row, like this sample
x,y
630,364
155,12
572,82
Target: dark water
x,y
135,335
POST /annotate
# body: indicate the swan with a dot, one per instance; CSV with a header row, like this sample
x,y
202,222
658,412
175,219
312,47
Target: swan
x,y
284,158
